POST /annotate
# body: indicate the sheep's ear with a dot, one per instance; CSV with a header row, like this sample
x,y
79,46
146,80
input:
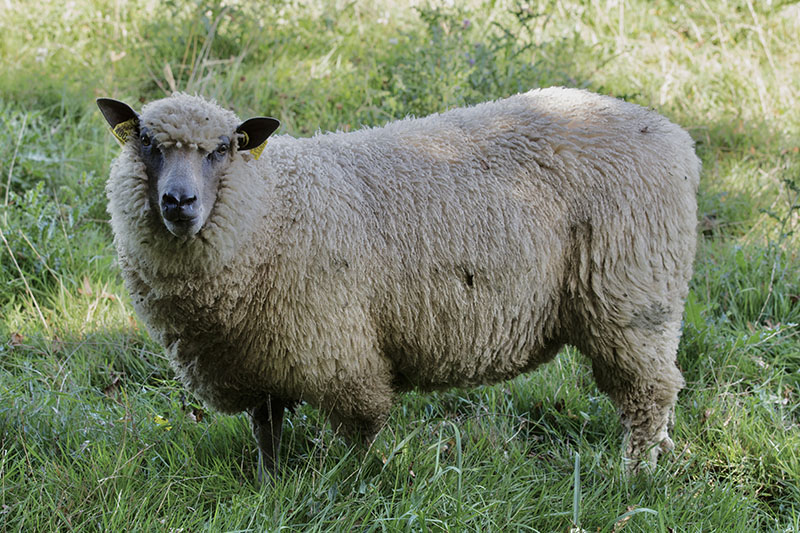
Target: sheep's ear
x,y
254,133
123,120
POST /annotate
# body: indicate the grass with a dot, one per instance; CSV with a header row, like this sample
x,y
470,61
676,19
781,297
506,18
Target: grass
x,y
95,434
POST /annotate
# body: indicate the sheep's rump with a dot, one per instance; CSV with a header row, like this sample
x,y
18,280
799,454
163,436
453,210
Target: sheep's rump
x,y
468,246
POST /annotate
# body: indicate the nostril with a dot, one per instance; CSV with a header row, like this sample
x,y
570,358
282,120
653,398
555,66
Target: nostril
x,y
169,201
185,202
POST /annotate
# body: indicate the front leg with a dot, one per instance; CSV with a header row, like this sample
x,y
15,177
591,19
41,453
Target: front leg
x,y
267,420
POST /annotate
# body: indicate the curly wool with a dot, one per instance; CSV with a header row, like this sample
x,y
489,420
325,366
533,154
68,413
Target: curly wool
x,y
456,249
189,120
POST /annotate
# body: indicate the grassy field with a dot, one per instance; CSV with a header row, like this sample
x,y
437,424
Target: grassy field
x,y
95,433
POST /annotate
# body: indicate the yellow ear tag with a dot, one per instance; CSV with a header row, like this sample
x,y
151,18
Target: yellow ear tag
x,y
258,149
123,130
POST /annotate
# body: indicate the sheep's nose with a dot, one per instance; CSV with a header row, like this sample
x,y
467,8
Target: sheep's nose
x,y
178,206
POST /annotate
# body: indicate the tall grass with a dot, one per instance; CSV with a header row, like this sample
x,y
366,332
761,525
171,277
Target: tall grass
x,y
96,434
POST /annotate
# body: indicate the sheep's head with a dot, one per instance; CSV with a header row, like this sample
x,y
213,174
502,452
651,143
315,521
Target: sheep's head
x,y
186,144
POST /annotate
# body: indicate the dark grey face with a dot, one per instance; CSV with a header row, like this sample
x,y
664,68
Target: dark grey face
x,y
183,181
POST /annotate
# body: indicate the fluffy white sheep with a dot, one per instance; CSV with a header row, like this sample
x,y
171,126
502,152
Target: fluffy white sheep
x,y
462,248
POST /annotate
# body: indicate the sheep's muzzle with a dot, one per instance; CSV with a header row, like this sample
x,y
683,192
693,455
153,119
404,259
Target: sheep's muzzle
x,y
177,206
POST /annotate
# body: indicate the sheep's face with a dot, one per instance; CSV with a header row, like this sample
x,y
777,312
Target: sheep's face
x,y
183,181
186,145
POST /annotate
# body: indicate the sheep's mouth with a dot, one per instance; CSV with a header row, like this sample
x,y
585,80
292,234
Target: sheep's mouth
x,y
183,227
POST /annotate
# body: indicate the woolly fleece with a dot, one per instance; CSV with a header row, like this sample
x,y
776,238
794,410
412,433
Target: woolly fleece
x,y
462,248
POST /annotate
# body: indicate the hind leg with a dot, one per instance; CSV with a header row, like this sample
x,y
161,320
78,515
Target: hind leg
x,y
637,369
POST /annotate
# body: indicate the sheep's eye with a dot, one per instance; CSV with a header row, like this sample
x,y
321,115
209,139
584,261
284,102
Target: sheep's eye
x,y
221,150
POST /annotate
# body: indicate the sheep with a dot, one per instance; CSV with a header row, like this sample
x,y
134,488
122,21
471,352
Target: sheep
x,y
462,248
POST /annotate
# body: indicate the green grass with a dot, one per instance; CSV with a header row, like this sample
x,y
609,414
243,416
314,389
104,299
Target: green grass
x,y
95,434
